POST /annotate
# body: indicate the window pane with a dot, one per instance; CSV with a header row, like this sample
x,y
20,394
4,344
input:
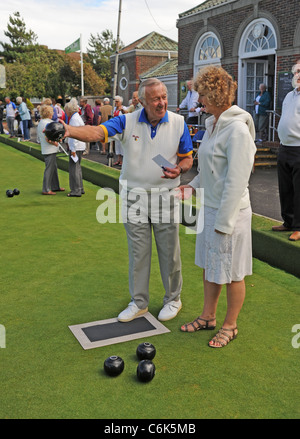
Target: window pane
x,y
250,83
250,69
259,80
272,42
250,97
259,69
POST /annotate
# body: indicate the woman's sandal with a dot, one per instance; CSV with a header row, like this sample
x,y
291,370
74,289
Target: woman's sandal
x,y
223,337
49,193
199,327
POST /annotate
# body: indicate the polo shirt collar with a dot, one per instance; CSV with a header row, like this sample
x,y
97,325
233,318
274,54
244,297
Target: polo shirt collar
x,y
143,118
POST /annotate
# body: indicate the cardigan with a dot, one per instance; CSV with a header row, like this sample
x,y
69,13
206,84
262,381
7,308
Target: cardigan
x,y
226,158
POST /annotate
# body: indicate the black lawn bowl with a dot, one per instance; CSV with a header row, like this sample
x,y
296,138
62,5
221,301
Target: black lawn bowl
x,y
145,351
145,371
55,131
9,193
16,191
114,366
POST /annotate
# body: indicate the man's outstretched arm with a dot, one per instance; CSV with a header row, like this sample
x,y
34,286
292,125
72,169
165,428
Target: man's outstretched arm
x,y
87,133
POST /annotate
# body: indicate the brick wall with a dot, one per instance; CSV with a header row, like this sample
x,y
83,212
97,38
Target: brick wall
x,y
137,66
284,12
285,63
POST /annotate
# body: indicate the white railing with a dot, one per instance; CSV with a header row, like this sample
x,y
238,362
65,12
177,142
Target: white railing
x,y
273,118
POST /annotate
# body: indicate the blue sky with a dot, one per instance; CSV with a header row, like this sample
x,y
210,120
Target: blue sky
x,y
60,22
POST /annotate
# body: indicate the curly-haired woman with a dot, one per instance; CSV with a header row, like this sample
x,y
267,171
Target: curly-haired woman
x,y
223,248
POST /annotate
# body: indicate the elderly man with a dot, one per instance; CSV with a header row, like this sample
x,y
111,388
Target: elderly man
x,y
190,102
136,105
145,134
106,110
289,160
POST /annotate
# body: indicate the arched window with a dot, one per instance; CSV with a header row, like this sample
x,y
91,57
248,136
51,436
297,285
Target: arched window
x,y
208,51
259,39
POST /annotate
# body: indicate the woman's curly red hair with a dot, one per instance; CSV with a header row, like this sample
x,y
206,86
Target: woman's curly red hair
x,y
217,85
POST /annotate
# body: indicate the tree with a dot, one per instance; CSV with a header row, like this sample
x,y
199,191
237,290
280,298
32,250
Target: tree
x,y
19,37
93,84
28,76
41,72
102,46
33,70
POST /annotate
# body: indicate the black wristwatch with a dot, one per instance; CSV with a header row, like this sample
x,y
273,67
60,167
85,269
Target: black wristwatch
x,y
181,170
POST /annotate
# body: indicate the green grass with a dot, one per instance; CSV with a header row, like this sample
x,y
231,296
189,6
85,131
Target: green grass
x,y
59,267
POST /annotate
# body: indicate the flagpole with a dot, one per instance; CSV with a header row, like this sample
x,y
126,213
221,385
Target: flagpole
x,y
111,154
81,62
117,54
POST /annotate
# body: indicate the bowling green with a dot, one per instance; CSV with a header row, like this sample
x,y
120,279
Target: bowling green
x,y
60,267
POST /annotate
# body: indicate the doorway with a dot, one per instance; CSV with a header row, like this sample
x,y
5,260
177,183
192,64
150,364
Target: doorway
x,y
257,62
256,73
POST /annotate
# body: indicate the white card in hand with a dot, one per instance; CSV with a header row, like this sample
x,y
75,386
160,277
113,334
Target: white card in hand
x,y
162,162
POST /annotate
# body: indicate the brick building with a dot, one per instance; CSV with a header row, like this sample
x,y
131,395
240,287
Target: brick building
x,y
257,41
139,58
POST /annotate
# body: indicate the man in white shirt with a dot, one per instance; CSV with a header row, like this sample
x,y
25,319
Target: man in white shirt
x,y
136,105
190,102
289,160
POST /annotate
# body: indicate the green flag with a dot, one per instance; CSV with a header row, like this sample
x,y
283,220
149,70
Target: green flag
x,y
74,47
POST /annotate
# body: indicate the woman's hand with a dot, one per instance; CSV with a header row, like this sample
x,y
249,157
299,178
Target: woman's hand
x,y
184,192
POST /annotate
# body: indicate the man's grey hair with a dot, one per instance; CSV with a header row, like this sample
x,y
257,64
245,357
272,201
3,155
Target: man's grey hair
x,y
106,100
294,68
149,83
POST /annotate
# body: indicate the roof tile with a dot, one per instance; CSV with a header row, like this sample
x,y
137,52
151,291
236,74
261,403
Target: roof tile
x,y
152,41
208,4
